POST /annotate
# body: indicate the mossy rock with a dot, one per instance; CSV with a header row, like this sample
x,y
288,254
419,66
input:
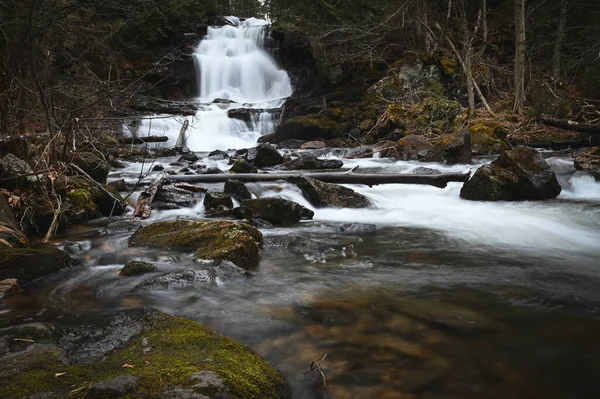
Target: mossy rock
x,y
27,264
214,240
168,354
89,202
308,128
485,140
137,268
277,210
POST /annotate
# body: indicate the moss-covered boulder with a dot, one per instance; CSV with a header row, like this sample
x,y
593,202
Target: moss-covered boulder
x,y
321,194
309,127
86,201
277,210
27,264
93,165
517,175
589,161
417,148
137,268
485,139
214,240
166,357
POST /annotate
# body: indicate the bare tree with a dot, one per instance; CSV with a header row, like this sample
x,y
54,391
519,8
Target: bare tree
x,y
520,48
484,26
558,41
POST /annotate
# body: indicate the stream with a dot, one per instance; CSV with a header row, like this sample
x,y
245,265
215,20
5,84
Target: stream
x,y
423,295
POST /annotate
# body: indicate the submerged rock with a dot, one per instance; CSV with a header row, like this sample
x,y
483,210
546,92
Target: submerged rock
x,y
278,211
137,268
267,155
214,240
177,280
169,357
589,161
323,194
309,161
517,175
27,264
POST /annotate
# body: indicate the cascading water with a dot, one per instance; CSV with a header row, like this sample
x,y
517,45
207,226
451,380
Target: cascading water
x,y
233,71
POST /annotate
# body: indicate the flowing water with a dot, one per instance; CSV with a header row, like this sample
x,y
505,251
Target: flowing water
x,y
423,295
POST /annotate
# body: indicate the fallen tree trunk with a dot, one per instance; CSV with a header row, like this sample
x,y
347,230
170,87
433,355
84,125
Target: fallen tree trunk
x,y
143,140
440,180
144,205
572,125
562,145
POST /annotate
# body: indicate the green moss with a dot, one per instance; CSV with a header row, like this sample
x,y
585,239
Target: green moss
x,y
178,349
448,65
83,205
444,110
236,242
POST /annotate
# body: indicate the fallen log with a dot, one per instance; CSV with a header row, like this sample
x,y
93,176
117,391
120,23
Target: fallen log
x,y
143,140
566,144
572,125
439,181
144,205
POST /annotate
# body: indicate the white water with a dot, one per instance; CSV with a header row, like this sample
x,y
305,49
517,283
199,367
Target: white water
x,y
231,64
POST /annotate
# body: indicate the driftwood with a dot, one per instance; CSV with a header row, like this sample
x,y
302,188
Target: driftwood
x,y
572,125
181,139
440,180
144,205
143,140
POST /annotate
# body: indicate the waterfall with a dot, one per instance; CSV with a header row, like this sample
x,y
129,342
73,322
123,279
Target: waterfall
x,y
233,71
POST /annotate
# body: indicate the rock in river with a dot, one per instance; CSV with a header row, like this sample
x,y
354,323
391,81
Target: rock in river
x,y
589,161
323,194
517,175
215,240
278,211
267,155
309,161
27,264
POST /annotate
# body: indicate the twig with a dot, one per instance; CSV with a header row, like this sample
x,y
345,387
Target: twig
x,y
316,365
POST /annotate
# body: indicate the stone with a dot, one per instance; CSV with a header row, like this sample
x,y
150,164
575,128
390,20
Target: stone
x,y
119,185
115,388
93,165
241,166
321,194
27,264
137,268
417,148
520,174
210,240
308,128
237,190
189,157
313,145
422,170
213,170
158,168
279,211
13,167
309,161
266,156
215,199
292,144
175,280
9,286
589,161
89,202
358,228
169,197
384,149
218,154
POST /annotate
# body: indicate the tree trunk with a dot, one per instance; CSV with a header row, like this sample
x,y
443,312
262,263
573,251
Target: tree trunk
x,y
560,33
467,58
572,125
484,21
520,47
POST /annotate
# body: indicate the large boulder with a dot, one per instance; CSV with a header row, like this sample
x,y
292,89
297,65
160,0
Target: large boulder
x,y
27,264
241,166
321,194
169,357
237,190
267,155
86,201
17,174
517,175
93,165
309,161
308,128
218,240
417,148
278,211
169,197
589,161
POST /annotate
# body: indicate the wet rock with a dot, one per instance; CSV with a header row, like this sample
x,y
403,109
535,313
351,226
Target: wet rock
x,y
484,140
237,190
93,165
416,148
241,166
181,393
279,211
214,240
313,145
86,201
9,286
517,175
12,168
137,268
119,185
71,247
422,170
169,197
27,264
177,280
218,154
266,156
215,199
115,388
308,128
23,361
384,149
292,144
323,194
124,225
213,170
158,168
190,157
589,161
358,228
309,161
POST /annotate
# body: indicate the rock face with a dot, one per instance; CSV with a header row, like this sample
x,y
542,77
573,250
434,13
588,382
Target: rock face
x,y
137,268
308,128
278,211
218,240
517,175
309,161
171,358
589,161
11,166
267,155
322,194
27,264
93,165
416,148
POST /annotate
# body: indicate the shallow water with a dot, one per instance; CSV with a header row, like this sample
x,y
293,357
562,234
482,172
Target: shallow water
x,y
424,296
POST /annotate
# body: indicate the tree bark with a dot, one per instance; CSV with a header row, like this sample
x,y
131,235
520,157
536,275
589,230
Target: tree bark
x,y
467,58
560,33
572,125
439,181
484,21
144,205
520,48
